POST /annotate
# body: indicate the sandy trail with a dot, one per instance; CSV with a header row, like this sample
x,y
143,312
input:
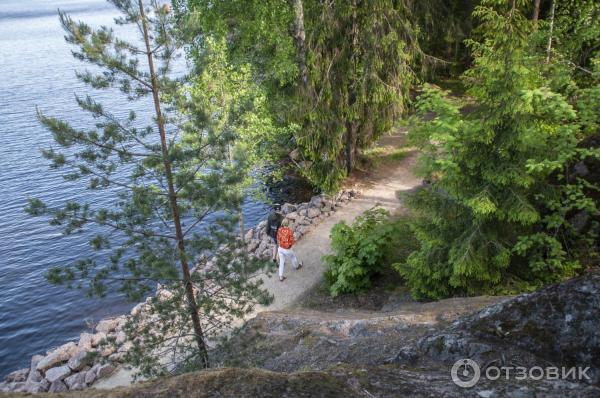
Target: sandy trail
x,y
379,188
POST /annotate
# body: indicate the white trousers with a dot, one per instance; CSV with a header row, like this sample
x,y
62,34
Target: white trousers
x,y
283,254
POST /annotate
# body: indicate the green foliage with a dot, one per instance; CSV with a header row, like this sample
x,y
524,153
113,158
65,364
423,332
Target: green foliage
x,y
167,176
358,65
364,249
234,104
494,218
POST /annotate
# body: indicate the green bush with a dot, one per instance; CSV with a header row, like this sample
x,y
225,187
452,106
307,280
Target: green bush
x,y
364,249
495,218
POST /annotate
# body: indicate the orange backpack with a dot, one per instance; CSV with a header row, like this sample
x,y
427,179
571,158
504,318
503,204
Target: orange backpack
x,y
285,237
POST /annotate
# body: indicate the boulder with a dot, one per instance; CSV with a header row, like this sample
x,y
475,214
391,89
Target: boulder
x,y
121,337
287,208
108,350
44,385
17,386
253,245
34,388
107,325
78,387
316,201
61,354
34,376
34,363
58,386
249,235
304,221
57,373
17,376
262,226
265,244
105,371
90,376
98,338
78,361
75,379
313,213
85,341
137,309
292,216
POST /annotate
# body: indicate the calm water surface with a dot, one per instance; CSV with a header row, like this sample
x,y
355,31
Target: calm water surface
x,y
37,70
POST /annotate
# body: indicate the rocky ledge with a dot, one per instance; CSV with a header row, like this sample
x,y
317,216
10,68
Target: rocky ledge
x,y
78,365
407,351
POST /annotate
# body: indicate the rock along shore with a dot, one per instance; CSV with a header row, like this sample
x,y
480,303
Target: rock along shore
x,y
95,356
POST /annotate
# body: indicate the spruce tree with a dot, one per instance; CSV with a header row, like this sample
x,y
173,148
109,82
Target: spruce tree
x,y
169,176
336,74
493,218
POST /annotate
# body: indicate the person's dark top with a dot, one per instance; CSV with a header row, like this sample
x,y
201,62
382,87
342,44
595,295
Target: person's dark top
x,y
273,223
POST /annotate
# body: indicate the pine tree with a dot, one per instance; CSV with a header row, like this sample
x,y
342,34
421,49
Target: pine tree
x,y
494,217
170,177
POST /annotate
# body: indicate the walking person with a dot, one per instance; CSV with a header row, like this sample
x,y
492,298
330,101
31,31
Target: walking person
x,y
273,223
285,241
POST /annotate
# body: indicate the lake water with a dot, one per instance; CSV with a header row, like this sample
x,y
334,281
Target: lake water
x,y
37,70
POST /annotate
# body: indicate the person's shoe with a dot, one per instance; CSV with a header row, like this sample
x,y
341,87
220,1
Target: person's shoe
x,y
300,265
282,278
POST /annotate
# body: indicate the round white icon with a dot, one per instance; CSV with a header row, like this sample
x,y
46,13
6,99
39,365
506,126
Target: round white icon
x,y
465,373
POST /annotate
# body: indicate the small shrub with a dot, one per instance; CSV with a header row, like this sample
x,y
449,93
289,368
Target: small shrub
x,y
364,249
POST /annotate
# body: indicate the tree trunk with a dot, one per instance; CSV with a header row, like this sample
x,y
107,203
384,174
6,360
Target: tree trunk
x,y
536,12
350,145
187,279
240,212
351,124
300,36
549,48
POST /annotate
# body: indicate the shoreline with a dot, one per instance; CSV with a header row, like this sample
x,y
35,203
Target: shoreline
x,y
71,366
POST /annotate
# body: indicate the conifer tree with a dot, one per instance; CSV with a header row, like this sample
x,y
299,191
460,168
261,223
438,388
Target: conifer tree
x,y
169,177
336,74
493,218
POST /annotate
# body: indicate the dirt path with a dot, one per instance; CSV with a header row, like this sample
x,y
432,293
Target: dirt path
x,y
379,188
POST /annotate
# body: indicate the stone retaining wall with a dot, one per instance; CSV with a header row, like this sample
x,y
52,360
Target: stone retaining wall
x,y
78,365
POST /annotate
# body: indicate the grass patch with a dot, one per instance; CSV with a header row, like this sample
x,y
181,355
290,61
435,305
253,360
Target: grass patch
x,y
374,157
